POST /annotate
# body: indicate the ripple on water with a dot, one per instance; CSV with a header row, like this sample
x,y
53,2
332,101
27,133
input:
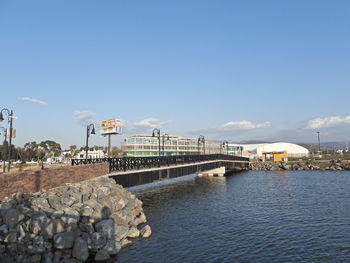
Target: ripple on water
x,y
300,216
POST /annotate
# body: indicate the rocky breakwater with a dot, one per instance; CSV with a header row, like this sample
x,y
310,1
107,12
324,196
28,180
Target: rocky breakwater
x,y
333,165
83,222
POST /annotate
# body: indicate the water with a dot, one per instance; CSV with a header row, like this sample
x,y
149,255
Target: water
x,y
294,216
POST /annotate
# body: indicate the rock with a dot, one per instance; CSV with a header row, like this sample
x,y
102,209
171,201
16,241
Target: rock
x,y
2,249
80,249
133,232
37,224
102,256
41,203
106,227
11,237
58,226
141,219
12,216
125,242
64,240
120,205
98,240
112,247
38,246
146,231
35,258
86,211
4,229
22,234
121,232
72,223
55,202
69,201
48,258
102,192
86,227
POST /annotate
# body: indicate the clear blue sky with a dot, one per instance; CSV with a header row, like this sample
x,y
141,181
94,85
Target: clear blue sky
x,y
229,70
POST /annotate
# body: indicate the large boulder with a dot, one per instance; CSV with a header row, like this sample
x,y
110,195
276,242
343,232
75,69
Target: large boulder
x,y
64,240
80,249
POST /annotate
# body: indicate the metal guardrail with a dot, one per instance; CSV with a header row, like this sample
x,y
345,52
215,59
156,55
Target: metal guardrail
x,y
136,163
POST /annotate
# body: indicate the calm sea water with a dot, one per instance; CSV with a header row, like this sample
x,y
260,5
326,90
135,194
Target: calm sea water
x,y
294,216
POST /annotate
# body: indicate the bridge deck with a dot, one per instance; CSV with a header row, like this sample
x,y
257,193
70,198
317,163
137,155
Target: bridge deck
x,y
136,171
169,167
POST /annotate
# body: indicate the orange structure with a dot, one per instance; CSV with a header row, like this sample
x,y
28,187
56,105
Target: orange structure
x,y
276,156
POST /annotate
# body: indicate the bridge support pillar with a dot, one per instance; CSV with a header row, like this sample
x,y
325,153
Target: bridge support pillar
x,y
217,171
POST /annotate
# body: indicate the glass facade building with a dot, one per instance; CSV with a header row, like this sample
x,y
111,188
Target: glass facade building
x,y
148,146
234,150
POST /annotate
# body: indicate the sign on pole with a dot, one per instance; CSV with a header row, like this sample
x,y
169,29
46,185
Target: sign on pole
x,y
8,132
112,126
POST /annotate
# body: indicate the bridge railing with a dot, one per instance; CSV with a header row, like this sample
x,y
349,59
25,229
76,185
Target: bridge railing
x,y
136,163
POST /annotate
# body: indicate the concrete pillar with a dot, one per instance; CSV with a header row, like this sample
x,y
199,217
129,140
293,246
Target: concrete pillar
x,y
219,171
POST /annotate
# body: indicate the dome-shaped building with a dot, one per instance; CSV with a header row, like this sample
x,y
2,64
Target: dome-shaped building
x,y
268,150
292,150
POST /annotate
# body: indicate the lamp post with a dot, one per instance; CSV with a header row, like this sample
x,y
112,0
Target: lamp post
x,y
187,146
4,168
10,120
167,138
201,139
319,142
88,132
156,132
225,143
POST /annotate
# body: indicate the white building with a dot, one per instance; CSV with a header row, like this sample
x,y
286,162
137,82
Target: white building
x,y
91,154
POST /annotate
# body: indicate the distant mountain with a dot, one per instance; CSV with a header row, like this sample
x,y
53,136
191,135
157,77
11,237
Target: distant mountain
x,y
252,142
325,145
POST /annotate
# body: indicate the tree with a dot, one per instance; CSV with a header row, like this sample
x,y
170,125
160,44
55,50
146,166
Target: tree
x,y
30,151
51,148
116,152
73,151
48,149
4,151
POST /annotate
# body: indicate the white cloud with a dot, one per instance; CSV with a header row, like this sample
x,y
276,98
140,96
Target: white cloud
x,y
318,123
233,130
33,100
152,123
84,117
143,126
243,125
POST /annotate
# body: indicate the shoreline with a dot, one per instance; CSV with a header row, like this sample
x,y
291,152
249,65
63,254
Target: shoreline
x,y
327,165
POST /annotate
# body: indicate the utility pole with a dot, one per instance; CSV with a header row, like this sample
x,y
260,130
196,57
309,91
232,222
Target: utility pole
x,y
109,146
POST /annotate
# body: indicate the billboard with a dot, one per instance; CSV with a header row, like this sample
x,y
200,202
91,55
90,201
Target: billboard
x,y
112,126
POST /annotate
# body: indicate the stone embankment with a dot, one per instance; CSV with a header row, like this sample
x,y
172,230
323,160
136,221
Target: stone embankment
x,y
333,165
82,222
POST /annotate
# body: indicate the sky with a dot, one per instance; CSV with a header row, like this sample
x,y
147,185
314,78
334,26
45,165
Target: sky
x,y
230,70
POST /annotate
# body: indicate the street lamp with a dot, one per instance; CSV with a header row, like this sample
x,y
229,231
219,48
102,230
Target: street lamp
x,y
167,138
4,168
319,142
225,143
201,139
10,120
88,132
156,132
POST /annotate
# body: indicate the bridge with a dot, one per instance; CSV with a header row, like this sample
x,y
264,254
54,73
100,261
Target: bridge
x,y
131,171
